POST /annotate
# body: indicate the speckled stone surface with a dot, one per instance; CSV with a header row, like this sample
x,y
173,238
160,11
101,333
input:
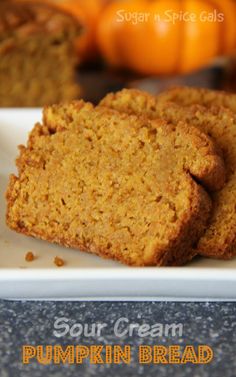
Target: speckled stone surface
x,y
32,323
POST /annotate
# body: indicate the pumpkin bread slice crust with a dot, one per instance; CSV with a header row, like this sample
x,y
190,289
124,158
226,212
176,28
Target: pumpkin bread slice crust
x,y
187,96
112,184
219,240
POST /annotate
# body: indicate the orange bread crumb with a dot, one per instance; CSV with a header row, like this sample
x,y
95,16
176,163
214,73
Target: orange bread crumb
x,y
29,257
59,262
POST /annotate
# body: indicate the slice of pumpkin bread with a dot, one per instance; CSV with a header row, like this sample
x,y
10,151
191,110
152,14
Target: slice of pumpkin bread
x,y
135,102
113,185
219,239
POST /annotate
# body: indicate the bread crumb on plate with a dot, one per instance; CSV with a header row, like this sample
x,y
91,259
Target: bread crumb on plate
x,y
59,262
29,257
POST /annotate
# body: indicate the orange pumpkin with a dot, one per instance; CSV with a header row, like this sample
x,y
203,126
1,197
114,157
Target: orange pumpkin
x,y
166,36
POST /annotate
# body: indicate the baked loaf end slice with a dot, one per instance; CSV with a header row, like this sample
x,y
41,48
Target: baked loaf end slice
x,y
219,240
37,54
112,184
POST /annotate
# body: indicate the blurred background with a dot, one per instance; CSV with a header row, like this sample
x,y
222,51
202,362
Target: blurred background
x,y
56,50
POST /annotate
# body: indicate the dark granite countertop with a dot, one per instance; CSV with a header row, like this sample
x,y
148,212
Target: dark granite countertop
x,y
32,323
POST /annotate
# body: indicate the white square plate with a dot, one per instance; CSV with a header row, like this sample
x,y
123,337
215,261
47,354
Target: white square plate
x,y
86,275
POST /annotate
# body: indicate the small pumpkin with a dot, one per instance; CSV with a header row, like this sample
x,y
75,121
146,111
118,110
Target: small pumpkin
x,y
166,36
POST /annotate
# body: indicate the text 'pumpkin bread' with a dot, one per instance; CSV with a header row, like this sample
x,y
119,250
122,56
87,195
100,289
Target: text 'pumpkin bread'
x,y
219,239
112,184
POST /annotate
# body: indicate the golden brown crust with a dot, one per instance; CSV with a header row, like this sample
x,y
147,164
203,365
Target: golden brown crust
x,y
219,240
189,96
123,209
